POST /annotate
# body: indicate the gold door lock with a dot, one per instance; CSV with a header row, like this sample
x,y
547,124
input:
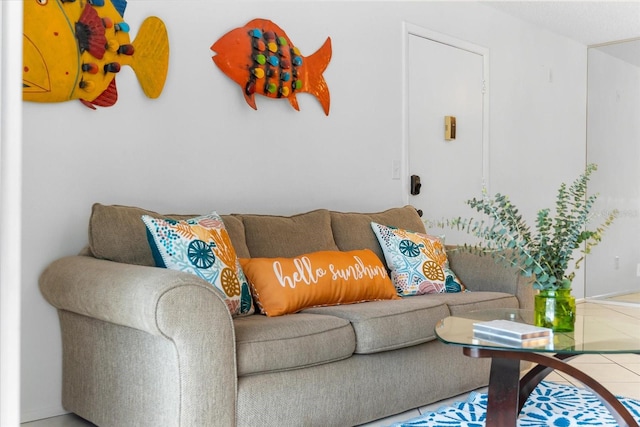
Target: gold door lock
x,y
449,128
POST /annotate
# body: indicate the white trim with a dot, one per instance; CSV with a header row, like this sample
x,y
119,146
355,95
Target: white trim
x,y
42,412
10,209
408,30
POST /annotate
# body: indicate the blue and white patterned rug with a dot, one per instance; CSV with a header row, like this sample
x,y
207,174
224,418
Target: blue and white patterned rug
x,y
549,405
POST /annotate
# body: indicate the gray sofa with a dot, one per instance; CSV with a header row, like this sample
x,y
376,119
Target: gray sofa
x,y
147,346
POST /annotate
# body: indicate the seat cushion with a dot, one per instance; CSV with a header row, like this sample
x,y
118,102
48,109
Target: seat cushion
x,y
388,325
465,302
352,230
271,344
272,236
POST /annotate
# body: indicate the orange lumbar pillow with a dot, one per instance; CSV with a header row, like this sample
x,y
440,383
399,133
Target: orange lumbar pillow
x,y
287,285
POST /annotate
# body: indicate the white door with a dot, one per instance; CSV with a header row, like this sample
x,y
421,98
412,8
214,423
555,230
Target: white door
x,y
445,80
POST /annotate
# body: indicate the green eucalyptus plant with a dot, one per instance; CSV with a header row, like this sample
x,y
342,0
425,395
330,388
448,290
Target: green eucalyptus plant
x,y
545,251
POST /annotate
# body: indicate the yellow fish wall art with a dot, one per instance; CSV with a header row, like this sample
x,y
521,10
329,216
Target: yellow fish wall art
x,y
262,60
73,49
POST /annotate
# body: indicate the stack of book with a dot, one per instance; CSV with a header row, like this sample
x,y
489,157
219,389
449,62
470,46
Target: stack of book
x,y
510,333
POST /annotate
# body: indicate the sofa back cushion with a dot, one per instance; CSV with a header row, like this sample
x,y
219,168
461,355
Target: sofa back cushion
x,y
117,233
352,231
273,236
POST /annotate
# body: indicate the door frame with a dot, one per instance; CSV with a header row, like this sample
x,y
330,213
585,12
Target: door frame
x,y
409,30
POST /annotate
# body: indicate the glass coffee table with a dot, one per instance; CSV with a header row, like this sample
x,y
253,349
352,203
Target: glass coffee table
x,y
507,391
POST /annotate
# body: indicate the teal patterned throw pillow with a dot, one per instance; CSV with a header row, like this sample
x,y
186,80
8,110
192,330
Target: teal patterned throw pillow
x,y
201,246
418,262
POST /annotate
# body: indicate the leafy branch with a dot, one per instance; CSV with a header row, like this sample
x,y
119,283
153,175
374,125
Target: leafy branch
x,y
546,251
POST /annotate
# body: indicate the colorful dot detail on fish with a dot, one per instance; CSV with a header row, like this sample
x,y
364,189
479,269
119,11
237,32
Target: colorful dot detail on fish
x,y
72,49
261,59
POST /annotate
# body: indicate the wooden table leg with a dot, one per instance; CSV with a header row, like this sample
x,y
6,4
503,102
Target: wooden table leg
x,y
531,379
504,384
504,392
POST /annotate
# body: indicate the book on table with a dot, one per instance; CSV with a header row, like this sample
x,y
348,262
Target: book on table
x,y
508,332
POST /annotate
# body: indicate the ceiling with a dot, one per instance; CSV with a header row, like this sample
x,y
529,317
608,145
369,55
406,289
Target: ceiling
x,y
588,22
599,23
627,51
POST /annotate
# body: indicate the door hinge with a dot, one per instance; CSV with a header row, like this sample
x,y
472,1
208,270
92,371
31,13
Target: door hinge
x,y
484,87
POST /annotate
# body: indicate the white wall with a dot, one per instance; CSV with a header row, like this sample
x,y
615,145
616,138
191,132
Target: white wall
x,y
10,210
200,147
613,134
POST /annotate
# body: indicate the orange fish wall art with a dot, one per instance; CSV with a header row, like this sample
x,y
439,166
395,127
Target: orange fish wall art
x,y
262,60
72,49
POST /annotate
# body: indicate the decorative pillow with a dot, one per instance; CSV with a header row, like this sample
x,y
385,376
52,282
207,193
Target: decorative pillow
x,y
418,262
117,234
287,285
201,246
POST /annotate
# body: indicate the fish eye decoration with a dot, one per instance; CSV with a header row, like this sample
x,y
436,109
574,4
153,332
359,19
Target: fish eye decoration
x,y
73,49
261,59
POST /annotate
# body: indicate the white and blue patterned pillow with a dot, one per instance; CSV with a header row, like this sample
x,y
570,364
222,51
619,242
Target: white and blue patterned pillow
x,y
201,246
418,262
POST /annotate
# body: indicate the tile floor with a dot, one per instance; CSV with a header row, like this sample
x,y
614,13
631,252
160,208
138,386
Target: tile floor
x,y
627,298
620,373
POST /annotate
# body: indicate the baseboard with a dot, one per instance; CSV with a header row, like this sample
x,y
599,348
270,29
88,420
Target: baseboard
x,y
42,413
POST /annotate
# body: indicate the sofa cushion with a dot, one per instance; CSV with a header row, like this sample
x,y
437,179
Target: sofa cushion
x,y
117,233
201,246
352,230
483,271
418,262
271,344
388,325
287,285
464,302
271,236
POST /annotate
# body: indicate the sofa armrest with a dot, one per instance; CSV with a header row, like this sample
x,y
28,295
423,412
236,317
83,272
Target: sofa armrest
x,y
123,294
483,273
177,306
